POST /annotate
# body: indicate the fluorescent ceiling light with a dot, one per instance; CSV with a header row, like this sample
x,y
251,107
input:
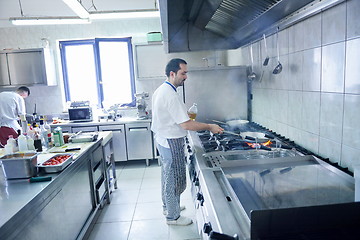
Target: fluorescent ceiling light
x,y
48,21
124,14
77,8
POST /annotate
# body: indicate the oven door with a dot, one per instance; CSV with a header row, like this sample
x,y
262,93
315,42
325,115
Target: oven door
x,y
214,215
80,114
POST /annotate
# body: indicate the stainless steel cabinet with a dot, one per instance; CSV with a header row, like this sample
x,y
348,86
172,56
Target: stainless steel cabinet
x,y
65,214
139,141
146,67
4,74
131,141
27,67
84,129
119,141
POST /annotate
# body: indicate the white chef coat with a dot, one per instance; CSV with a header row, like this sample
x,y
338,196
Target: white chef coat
x,y
168,111
11,106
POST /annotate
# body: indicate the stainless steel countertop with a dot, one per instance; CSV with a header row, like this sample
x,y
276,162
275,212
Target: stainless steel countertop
x,y
16,194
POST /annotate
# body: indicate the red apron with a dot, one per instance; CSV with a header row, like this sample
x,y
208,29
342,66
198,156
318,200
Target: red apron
x,y
5,132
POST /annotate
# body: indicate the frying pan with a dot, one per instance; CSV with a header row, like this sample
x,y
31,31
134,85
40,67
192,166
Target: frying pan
x,y
233,123
261,137
237,123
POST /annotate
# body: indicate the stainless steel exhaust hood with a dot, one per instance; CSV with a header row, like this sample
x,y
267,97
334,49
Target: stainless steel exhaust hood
x,y
194,25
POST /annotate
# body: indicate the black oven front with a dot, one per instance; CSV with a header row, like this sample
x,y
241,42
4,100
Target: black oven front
x,y
80,114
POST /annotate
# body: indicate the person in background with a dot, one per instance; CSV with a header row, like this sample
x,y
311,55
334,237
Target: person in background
x,y
12,105
170,123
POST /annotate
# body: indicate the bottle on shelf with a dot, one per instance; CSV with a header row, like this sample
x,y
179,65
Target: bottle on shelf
x,y
30,142
44,134
30,131
36,137
23,123
48,129
37,145
36,129
8,149
22,143
58,137
10,146
192,112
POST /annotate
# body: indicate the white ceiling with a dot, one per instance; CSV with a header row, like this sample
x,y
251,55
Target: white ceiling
x,y
57,8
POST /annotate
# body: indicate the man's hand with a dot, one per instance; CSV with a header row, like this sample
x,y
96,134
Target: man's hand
x,y
214,128
199,126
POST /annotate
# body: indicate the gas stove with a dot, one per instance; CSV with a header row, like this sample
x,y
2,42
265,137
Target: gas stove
x,y
231,146
225,142
232,140
237,182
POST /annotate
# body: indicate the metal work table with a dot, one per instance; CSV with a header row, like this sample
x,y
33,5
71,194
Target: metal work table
x,y
21,201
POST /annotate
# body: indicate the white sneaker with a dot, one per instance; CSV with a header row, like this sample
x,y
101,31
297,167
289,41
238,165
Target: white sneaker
x,y
181,209
181,221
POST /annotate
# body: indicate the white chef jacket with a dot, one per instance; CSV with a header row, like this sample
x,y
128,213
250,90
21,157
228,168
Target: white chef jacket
x,y
11,106
168,111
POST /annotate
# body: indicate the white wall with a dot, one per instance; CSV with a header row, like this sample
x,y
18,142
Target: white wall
x,y
50,100
315,99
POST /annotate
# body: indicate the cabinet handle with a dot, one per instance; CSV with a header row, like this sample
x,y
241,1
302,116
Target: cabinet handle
x,y
113,130
138,129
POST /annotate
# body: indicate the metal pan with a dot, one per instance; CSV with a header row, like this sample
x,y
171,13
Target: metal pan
x,y
259,136
58,167
232,133
233,123
237,123
220,122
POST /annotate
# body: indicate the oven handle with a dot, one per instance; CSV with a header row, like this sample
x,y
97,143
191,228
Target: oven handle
x,y
200,198
207,228
220,236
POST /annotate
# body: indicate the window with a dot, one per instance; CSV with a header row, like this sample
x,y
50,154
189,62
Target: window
x,y
98,70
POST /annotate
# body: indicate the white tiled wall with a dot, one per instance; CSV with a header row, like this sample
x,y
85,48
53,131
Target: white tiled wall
x,y
315,100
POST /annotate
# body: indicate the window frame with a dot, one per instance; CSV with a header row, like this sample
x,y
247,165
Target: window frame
x,y
97,63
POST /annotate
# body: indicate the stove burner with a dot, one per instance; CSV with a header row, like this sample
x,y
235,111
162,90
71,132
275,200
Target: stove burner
x,y
227,142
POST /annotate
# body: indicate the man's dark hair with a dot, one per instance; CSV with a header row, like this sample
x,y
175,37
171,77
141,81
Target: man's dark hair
x,y
24,89
174,65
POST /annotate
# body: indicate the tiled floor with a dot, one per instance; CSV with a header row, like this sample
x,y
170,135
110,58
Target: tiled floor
x,y
135,212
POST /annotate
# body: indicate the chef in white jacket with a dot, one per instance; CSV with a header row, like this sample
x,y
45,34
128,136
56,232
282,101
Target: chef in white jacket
x,y
12,105
170,123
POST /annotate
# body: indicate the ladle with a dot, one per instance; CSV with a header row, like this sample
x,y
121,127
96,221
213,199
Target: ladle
x,y
252,75
266,61
278,68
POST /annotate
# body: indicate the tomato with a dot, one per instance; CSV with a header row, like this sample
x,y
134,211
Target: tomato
x,y
56,160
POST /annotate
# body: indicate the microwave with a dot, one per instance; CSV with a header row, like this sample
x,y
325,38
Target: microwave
x,y
80,114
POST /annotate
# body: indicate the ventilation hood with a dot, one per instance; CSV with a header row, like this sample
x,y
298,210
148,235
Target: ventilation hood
x,y
194,25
